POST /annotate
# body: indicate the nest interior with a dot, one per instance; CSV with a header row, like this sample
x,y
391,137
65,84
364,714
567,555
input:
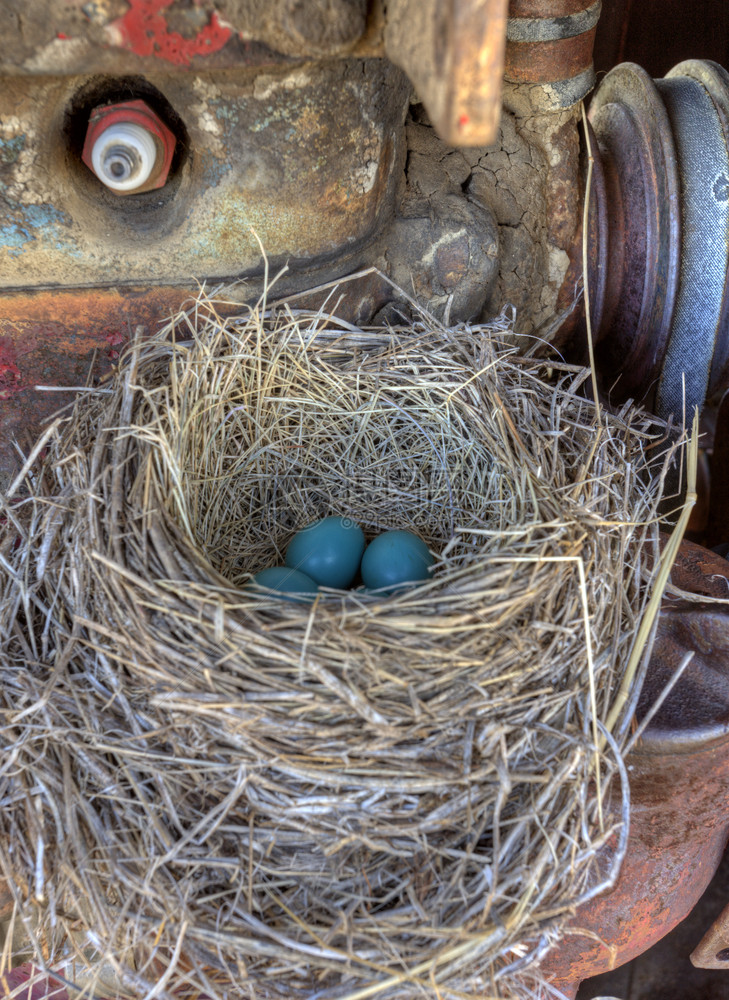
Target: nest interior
x,y
215,791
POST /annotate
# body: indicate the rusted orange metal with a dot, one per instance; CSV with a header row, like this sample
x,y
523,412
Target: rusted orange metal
x,y
60,338
550,42
679,779
545,62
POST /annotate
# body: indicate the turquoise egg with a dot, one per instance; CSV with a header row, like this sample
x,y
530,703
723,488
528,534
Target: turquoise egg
x,y
395,558
329,551
286,581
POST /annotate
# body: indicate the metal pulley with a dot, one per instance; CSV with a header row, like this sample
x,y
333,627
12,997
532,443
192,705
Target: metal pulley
x,y
659,240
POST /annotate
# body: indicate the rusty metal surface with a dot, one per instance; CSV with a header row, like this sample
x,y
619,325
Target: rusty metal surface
x,y
699,571
64,338
712,952
679,818
550,43
454,55
696,710
549,61
679,775
255,159
665,972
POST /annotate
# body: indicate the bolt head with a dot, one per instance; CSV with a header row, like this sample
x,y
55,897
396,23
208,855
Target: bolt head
x,y
128,147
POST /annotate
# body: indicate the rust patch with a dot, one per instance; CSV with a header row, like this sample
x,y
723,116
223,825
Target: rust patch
x,y
548,62
679,782
64,338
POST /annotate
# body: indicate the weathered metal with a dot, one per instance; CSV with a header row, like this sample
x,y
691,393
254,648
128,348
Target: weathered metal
x,y
139,115
254,163
550,42
696,97
679,777
658,239
641,194
714,80
454,55
60,338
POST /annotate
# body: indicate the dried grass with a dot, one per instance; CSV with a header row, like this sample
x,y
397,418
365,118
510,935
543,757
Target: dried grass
x,y
219,792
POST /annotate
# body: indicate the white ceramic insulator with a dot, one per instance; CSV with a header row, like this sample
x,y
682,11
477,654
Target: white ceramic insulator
x,y
124,156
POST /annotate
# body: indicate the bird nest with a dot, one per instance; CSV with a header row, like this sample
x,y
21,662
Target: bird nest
x,y
215,791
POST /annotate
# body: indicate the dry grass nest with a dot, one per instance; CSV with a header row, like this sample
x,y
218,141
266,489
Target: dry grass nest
x,y
222,793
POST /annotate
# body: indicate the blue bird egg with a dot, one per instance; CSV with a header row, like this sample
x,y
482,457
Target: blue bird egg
x,y
287,581
395,558
329,551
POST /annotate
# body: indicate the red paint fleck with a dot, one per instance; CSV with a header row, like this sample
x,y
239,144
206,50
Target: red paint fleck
x,y
143,30
463,121
61,35
114,338
10,378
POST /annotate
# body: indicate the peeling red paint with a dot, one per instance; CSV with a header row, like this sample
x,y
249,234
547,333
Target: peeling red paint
x,y
143,30
114,338
463,121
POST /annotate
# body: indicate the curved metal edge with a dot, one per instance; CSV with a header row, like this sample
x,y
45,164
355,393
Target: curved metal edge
x,y
630,88
703,161
550,29
715,80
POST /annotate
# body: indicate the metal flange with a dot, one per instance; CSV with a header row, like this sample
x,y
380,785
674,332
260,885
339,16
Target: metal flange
x,y
663,148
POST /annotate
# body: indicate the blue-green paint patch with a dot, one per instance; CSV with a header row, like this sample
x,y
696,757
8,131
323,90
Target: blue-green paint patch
x,y
45,216
214,170
227,112
42,224
10,149
275,115
13,238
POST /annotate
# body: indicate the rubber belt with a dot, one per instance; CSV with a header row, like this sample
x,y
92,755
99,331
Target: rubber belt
x,y
703,166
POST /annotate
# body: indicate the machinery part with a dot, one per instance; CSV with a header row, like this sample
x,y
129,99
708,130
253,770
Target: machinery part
x,y
247,151
550,42
696,96
663,151
65,337
679,775
712,951
639,185
454,55
128,147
